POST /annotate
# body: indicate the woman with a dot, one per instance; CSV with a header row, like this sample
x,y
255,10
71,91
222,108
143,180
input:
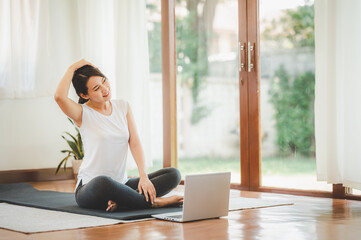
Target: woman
x,y
107,128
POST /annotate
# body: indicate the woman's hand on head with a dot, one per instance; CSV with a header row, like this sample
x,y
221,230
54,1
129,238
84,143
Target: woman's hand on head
x,y
146,187
80,63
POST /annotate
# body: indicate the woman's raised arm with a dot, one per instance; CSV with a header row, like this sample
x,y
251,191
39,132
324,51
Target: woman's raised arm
x,y
67,105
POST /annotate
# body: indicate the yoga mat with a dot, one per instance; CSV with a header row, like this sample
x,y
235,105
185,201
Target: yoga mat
x,y
26,195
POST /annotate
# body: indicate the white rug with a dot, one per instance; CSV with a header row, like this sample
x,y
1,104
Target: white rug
x,y
33,220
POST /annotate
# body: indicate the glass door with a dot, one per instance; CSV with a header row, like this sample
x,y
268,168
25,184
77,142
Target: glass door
x,y
287,79
208,121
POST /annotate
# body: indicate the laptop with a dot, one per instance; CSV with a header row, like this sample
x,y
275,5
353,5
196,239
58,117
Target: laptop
x,y
205,196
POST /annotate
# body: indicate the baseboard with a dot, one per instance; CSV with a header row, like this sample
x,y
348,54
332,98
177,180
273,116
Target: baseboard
x,y
35,175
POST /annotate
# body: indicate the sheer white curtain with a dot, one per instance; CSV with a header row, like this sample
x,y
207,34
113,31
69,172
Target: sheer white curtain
x,y
23,48
113,35
96,29
132,65
338,91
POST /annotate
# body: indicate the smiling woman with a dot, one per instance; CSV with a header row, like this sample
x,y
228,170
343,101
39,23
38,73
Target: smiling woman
x,y
107,127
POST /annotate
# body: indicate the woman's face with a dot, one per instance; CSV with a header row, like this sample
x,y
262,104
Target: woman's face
x,y
98,89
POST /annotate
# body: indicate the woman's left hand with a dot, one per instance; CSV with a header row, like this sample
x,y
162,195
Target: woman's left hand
x,y
146,186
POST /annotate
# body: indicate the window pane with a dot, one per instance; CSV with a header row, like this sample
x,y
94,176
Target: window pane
x,y
207,87
287,95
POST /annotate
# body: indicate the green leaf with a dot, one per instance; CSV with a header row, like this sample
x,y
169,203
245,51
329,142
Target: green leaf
x,y
71,121
74,147
76,128
75,140
61,163
67,151
80,146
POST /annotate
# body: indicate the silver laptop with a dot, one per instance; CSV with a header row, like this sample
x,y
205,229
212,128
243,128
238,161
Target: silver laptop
x,y
205,196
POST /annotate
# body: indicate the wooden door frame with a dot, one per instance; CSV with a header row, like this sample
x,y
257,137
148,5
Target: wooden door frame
x,y
254,146
169,79
243,96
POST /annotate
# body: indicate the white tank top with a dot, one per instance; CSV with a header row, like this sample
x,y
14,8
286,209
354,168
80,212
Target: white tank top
x,y
105,141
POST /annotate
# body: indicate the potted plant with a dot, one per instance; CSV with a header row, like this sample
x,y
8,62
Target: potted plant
x,y
76,152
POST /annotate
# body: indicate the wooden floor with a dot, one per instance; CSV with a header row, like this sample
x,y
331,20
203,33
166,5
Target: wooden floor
x,y
308,218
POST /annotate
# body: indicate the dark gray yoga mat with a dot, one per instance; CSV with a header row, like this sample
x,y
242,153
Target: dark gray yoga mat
x,y
26,195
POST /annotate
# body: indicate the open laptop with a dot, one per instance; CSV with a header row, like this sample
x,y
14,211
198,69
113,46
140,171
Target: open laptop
x,y
205,196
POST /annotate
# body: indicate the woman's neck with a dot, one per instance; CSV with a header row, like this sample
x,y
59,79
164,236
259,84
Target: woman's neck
x,y
100,106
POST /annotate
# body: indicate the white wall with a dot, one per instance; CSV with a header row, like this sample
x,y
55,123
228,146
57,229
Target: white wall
x,y
30,133
31,129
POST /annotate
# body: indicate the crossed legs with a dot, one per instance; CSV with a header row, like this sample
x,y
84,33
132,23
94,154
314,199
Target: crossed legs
x,y
97,193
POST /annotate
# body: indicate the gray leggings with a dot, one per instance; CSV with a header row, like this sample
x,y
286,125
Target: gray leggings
x,y
97,192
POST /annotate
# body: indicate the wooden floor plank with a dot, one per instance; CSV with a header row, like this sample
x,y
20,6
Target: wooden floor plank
x,y
308,218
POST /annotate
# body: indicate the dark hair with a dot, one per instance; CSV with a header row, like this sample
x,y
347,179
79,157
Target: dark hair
x,y
80,79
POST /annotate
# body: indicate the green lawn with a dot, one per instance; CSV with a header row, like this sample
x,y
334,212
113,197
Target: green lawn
x,y
270,166
289,166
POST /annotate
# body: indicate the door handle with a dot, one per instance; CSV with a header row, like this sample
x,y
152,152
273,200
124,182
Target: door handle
x,y
241,54
250,56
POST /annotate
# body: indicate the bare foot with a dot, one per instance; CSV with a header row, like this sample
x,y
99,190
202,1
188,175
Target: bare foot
x,y
112,206
167,201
